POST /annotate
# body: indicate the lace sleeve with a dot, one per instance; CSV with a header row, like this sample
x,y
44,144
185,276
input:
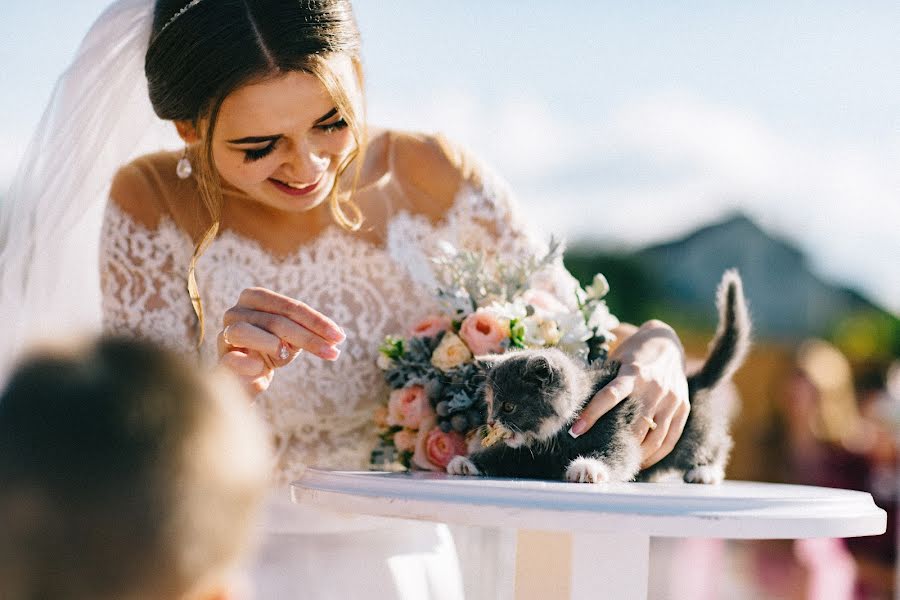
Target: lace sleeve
x,y
142,279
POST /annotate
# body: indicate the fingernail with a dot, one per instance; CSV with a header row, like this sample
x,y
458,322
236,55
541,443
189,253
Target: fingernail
x,y
331,353
337,336
578,428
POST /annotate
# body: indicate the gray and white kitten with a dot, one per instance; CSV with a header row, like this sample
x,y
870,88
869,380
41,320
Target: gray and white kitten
x,y
538,394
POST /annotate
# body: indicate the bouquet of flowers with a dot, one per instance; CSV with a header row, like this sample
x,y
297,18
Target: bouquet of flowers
x,y
435,410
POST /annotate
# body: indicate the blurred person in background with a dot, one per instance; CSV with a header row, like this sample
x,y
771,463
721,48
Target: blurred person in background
x,y
878,394
829,438
127,475
824,428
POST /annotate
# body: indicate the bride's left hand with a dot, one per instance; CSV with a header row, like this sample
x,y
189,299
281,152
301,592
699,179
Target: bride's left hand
x,y
652,370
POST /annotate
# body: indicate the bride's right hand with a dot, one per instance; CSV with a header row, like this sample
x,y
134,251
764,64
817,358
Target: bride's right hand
x,y
266,330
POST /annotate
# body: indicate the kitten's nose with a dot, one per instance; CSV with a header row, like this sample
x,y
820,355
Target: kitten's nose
x,y
490,422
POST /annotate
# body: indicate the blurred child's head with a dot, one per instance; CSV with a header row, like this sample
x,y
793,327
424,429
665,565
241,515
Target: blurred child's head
x,y
125,473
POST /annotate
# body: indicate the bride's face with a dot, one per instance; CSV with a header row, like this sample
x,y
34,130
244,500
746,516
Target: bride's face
x,y
281,141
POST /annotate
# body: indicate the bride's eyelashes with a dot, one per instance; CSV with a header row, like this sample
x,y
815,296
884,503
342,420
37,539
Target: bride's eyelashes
x,y
255,154
332,127
258,153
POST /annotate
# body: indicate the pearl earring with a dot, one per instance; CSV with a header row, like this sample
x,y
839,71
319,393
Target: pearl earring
x,y
183,169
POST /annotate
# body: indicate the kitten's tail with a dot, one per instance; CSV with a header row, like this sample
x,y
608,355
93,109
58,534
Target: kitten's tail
x,y
729,346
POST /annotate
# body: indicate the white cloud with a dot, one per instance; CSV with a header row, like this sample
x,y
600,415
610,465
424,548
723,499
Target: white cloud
x,y
695,161
840,201
520,136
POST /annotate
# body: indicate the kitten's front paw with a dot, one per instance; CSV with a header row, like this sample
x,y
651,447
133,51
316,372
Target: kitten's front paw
x,y
587,470
705,474
461,465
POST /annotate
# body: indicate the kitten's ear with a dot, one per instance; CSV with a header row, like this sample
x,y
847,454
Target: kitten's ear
x,y
539,369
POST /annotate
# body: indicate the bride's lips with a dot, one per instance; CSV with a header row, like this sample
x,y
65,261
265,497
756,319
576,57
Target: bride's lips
x,y
291,191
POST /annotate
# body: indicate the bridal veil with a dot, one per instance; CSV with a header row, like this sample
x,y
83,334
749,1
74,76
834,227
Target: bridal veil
x,y
99,117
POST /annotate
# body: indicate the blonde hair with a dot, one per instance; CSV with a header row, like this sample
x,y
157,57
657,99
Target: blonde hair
x,y
195,60
344,210
836,417
125,473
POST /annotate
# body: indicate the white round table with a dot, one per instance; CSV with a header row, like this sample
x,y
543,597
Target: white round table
x,y
611,524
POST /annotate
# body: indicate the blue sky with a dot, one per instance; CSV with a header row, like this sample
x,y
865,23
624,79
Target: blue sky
x,y
625,123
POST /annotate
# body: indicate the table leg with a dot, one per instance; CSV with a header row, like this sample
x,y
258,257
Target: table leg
x,y
543,564
609,566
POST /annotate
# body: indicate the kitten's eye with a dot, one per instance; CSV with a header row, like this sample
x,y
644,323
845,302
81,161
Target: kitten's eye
x,y
508,407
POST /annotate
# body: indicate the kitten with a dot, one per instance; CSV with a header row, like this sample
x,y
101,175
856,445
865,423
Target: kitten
x,y
535,396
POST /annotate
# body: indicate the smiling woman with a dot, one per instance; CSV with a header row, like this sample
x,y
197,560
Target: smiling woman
x,y
293,170
300,236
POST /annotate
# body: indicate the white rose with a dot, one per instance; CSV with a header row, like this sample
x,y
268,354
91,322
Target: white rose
x,y
533,337
572,328
574,335
602,320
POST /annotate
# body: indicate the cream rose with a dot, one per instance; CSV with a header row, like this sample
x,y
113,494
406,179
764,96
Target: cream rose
x,y
450,353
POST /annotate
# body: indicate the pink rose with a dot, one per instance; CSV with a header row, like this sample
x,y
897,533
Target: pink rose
x,y
543,300
484,333
405,440
431,326
420,458
408,406
435,449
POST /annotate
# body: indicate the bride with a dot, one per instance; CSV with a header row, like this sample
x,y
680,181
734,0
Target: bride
x,y
283,241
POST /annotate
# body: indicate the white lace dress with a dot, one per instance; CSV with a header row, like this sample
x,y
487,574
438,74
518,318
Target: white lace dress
x,y
320,412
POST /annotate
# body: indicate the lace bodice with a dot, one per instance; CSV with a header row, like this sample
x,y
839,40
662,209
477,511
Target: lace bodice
x,y
320,412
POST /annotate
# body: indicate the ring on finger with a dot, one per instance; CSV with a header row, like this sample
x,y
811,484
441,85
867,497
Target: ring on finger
x,y
284,352
650,422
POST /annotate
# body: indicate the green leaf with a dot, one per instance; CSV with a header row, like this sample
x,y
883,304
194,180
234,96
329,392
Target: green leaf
x,y
392,347
516,333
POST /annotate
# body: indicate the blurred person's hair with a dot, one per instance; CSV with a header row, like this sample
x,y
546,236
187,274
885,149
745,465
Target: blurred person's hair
x,y
837,416
126,474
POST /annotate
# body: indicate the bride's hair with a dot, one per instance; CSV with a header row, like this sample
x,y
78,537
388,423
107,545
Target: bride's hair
x,y
197,58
